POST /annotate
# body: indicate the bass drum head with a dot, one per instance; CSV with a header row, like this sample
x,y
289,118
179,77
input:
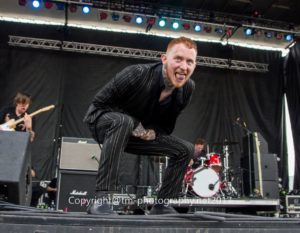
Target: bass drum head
x,y
206,182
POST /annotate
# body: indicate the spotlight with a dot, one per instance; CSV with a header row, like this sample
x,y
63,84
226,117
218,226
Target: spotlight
x,y
103,15
268,34
229,32
186,26
248,31
73,8
162,23
115,17
288,37
48,5
197,27
127,18
86,9
175,25
139,19
151,21
258,32
22,2
219,30
36,4
207,29
278,35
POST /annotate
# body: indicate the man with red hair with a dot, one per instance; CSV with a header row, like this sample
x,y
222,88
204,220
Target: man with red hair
x,y
136,112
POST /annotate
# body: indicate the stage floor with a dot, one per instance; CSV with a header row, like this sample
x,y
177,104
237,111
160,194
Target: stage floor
x,y
14,218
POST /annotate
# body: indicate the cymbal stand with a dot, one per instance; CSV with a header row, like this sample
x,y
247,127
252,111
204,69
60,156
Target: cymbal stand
x,y
230,190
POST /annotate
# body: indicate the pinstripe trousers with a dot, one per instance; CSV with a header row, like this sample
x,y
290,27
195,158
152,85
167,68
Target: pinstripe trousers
x,y
114,131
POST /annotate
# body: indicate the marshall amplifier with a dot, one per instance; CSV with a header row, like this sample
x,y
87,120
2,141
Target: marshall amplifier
x,y
75,190
79,154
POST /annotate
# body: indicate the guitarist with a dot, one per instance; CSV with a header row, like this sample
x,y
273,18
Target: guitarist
x,y
22,102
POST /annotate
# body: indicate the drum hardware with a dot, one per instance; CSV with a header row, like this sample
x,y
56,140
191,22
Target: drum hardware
x,y
227,185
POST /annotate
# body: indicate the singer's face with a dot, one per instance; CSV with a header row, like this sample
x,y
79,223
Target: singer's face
x,y
179,64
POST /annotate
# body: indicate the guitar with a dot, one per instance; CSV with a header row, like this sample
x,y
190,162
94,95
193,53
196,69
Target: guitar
x,y
11,124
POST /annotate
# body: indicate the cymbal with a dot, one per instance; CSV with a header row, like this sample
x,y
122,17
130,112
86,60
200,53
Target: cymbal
x,y
226,143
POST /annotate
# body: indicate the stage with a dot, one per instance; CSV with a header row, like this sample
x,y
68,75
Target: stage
x,y
224,216
43,221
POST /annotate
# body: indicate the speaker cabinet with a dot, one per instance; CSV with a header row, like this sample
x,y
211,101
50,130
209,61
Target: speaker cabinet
x,y
79,154
75,190
15,167
269,174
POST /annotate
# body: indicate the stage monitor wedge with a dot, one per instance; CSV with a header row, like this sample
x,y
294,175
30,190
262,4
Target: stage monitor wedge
x,y
15,167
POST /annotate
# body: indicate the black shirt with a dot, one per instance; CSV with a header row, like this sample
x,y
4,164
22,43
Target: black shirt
x,y
11,113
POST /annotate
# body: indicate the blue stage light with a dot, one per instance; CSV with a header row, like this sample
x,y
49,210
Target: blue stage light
x,y
162,23
197,28
288,37
175,25
248,31
86,9
139,20
36,4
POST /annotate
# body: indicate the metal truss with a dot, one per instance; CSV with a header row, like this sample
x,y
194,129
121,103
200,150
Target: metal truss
x,y
129,52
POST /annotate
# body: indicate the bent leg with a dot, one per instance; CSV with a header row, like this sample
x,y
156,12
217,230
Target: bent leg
x,y
178,150
112,130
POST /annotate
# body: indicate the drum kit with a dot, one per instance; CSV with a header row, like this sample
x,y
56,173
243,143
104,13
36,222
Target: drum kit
x,y
213,176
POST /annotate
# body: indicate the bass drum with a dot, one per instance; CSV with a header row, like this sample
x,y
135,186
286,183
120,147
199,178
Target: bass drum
x,y
206,182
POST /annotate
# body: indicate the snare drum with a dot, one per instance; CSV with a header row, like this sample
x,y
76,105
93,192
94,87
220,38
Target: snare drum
x,y
214,162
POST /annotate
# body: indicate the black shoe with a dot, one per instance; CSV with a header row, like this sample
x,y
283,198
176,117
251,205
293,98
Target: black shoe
x,y
162,209
102,205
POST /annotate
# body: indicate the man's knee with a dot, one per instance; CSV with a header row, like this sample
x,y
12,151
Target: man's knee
x,y
123,120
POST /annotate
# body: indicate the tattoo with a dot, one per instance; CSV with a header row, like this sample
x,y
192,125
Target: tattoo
x,y
168,85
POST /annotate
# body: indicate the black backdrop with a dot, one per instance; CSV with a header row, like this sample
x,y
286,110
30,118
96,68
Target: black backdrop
x,y
70,80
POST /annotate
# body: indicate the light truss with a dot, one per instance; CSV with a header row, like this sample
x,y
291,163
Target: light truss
x,y
70,46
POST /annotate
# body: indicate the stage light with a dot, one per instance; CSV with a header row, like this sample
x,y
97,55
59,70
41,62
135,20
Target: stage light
x,y
139,20
278,35
73,8
229,32
151,21
127,18
86,9
162,23
48,5
197,27
249,31
268,34
115,17
207,29
219,30
36,4
186,26
288,37
258,32
103,15
175,25
22,2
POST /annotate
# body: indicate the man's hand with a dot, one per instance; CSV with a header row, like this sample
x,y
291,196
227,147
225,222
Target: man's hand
x,y
28,122
145,134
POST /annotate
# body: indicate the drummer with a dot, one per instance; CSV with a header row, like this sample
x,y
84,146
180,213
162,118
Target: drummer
x,y
199,154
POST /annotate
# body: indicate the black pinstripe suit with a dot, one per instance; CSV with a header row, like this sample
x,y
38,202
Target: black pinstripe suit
x,y
132,96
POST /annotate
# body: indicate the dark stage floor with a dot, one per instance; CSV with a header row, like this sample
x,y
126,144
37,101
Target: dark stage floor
x,y
14,219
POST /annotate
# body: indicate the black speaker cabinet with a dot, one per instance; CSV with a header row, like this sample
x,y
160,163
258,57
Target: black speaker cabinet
x,y
269,174
15,167
75,190
79,154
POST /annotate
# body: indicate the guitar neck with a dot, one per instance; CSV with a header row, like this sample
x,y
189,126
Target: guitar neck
x,y
34,113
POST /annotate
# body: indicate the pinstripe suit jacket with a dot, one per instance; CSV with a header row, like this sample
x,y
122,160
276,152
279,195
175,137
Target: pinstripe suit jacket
x,y
135,91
